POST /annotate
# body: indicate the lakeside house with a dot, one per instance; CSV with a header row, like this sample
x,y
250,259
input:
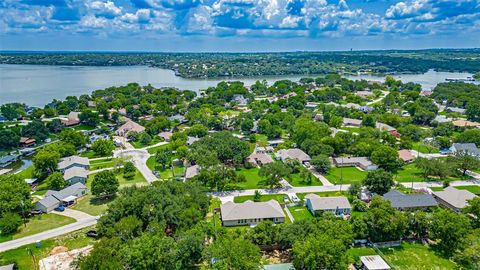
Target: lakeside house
x,y
71,120
339,206
251,213
64,197
27,142
465,149
7,160
362,162
292,154
454,199
73,161
403,201
129,126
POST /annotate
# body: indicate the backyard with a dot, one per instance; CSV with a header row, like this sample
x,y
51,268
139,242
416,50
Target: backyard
x,y
410,173
137,144
37,224
254,181
263,198
300,212
297,181
350,175
416,256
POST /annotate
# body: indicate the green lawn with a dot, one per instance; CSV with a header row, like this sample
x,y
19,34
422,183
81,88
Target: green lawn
x,y
424,148
350,175
253,179
262,140
410,173
102,163
23,259
324,194
137,179
39,224
473,189
154,150
27,173
354,254
416,256
83,127
166,173
300,213
138,144
263,198
297,181
90,154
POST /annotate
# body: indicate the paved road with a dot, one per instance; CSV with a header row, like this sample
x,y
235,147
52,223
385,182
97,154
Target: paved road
x,y
139,159
415,153
75,214
385,93
48,234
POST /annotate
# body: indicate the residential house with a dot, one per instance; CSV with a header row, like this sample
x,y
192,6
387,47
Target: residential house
x,y
292,154
191,140
465,149
311,105
178,118
373,262
250,213
275,143
240,100
338,206
192,171
464,123
129,126
402,201
352,106
7,160
390,129
95,137
406,155
74,175
318,117
289,95
73,161
259,159
349,122
455,110
426,93
27,142
366,109
442,119
71,120
65,197
364,94
362,162
264,150
452,198
166,135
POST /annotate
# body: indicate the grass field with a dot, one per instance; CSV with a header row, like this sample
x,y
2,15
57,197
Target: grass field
x,y
423,148
323,194
416,256
154,150
300,213
138,144
102,163
23,259
27,173
39,224
354,254
263,198
350,175
410,173
297,181
262,140
253,179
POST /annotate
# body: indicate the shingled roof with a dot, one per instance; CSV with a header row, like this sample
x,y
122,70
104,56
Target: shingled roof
x,y
251,210
402,201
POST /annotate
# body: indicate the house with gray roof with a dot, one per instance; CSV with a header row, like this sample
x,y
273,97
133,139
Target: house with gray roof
x,y
350,122
191,140
251,213
73,161
74,175
338,206
192,171
259,159
362,162
292,154
465,149
65,197
7,160
403,201
452,198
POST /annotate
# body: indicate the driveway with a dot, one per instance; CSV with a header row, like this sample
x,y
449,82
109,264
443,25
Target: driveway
x,y
75,214
48,234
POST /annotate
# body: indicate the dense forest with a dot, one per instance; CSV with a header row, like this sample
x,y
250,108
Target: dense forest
x,y
210,65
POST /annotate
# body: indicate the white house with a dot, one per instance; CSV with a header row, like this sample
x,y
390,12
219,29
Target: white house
x,y
65,197
251,213
73,161
336,205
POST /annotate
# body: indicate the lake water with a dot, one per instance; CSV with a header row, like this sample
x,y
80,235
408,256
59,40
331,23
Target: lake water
x,y
38,85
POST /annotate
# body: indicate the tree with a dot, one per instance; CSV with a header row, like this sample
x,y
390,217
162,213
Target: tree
x,y
265,233
378,181
257,196
419,224
274,173
163,157
89,118
45,162
354,189
449,230
12,110
469,136
129,170
386,157
104,184
145,138
55,181
227,252
8,139
473,209
103,147
473,111
321,163
383,222
9,223
73,137
466,162
469,257
13,192
368,121
35,129
198,130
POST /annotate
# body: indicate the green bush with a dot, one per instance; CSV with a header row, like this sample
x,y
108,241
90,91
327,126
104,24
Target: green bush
x,y
9,223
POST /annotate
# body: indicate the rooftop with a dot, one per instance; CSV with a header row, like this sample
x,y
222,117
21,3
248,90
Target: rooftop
x,y
67,161
250,210
326,203
455,197
374,262
401,200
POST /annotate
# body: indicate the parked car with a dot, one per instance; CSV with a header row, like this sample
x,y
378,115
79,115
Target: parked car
x,y
286,199
295,199
60,209
92,234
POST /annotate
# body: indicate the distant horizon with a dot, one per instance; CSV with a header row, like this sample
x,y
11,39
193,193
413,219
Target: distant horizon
x,y
236,52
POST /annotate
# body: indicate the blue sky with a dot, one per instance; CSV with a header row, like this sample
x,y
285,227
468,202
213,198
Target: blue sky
x,y
238,25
